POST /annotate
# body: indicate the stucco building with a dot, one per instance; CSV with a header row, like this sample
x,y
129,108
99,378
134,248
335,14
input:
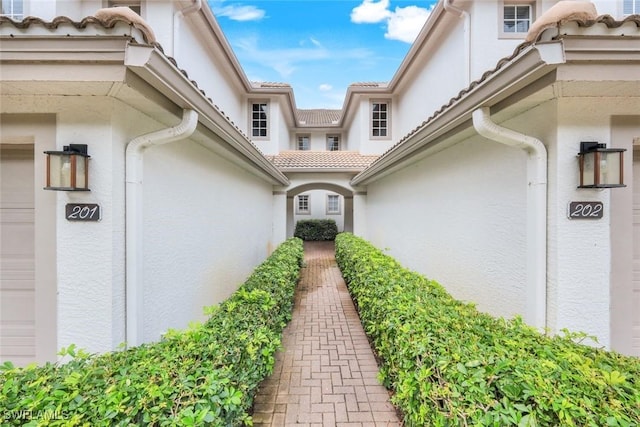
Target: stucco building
x,y
464,165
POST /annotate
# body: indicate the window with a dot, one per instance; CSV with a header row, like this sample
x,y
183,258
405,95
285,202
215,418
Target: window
x,y
13,9
304,142
333,204
259,118
133,5
303,204
516,19
380,119
333,142
630,7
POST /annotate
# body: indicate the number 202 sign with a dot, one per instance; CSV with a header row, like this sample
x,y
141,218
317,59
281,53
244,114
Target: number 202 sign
x,y
82,212
585,210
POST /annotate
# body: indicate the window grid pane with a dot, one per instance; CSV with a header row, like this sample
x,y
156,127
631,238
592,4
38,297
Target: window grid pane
x,y
333,204
303,204
13,9
259,120
333,143
631,7
516,18
379,119
304,143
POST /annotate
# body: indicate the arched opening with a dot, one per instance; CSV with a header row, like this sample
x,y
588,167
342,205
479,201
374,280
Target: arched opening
x,y
321,200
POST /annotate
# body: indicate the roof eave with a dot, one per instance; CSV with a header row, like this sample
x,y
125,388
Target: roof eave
x,y
153,67
320,169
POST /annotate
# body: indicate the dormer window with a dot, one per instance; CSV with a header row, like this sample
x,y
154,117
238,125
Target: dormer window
x,y
13,9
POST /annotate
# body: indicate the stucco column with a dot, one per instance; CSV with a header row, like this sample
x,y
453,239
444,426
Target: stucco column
x,y
289,209
579,274
360,214
279,218
348,214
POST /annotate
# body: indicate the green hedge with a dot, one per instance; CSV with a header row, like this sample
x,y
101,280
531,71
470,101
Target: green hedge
x,y
316,229
451,365
205,375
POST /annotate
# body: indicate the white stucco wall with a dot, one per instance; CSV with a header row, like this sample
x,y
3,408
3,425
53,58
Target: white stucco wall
x,y
458,218
433,81
201,238
207,225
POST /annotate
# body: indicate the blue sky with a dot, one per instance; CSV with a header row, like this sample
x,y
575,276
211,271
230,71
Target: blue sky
x,y
320,47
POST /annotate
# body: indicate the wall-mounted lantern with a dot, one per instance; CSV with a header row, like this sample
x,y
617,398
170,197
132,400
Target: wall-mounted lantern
x,y
68,170
600,167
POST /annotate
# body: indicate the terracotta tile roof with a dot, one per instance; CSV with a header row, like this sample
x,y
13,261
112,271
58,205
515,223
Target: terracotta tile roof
x,y
319,117
275,85
370,84
329,160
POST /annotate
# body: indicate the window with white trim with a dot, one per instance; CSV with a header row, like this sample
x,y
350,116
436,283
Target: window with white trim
x,y
303,204
260,120
133,5
380,119
13,9
630,7
516,19
304,143
333,204
333,142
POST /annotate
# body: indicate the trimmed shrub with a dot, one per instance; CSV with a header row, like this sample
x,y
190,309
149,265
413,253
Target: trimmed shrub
x,y
206,375
316,229
451,365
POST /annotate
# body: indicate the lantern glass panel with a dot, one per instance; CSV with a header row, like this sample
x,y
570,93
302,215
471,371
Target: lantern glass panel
x,y
610,168
81,172
60,171
588,168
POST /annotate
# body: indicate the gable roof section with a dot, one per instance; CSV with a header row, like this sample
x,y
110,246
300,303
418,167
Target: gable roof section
x,y
147,59
319,117
325,161
535,58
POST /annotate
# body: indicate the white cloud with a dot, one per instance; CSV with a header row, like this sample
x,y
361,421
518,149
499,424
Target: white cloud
x,y
403,24
285,61
406,22
325,87
370,12
240,13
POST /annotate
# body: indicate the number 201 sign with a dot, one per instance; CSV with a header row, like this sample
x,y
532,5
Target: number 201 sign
x,y
585,210
82,212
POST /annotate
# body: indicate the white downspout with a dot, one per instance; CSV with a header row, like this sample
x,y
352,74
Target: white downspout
x,y
134,218
536,210
450,8
196,6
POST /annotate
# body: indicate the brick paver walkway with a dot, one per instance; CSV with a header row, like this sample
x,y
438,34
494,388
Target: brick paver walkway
x,y
326,373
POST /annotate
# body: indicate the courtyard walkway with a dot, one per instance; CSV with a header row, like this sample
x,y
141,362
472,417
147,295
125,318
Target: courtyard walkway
x,y
326,373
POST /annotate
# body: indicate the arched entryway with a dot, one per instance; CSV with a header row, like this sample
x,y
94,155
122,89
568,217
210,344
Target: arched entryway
x,y
346,208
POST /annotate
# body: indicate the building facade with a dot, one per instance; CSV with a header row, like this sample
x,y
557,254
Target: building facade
x,y
464,165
